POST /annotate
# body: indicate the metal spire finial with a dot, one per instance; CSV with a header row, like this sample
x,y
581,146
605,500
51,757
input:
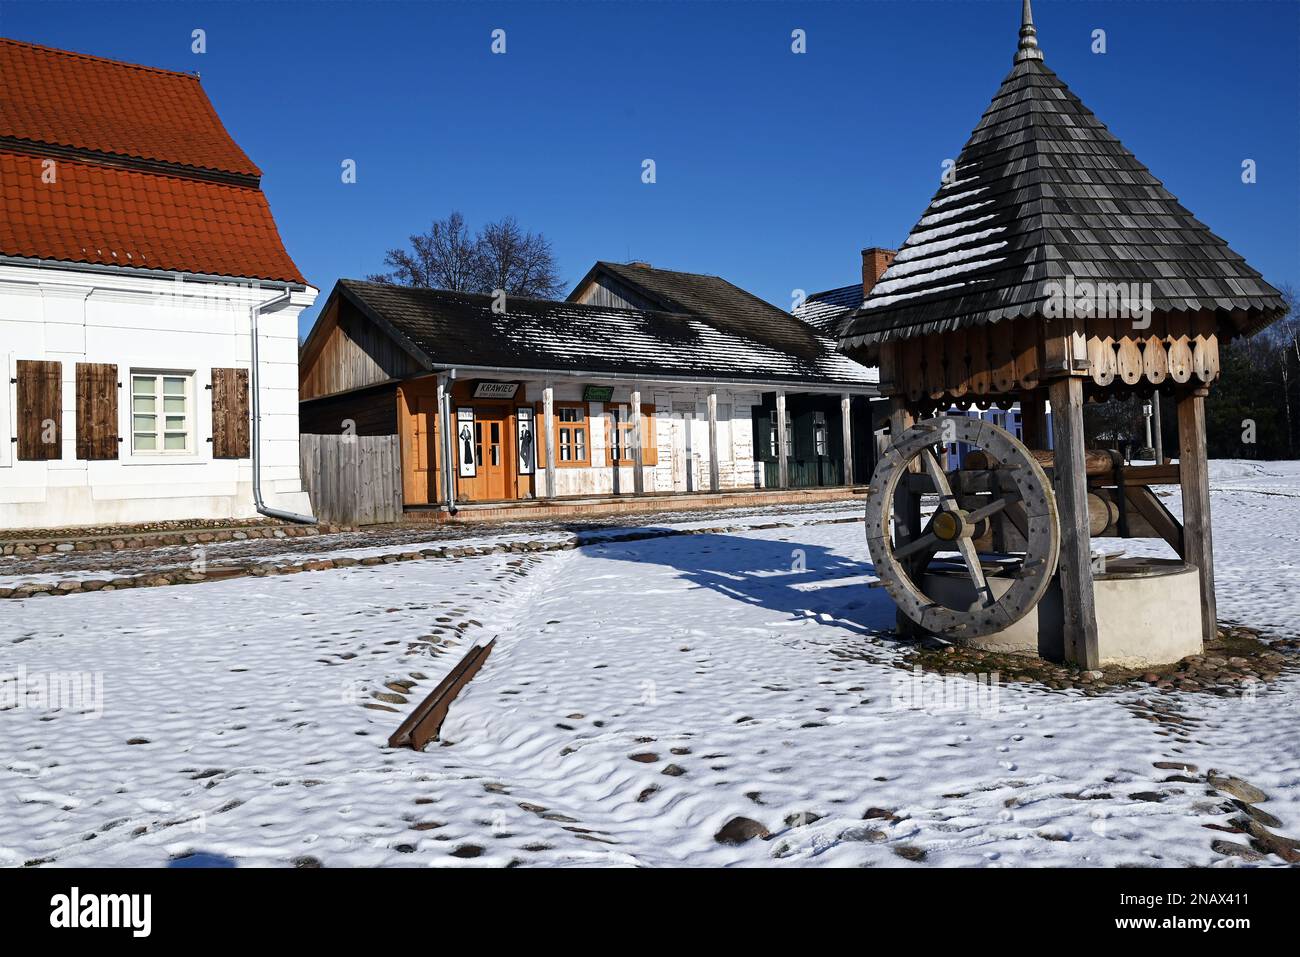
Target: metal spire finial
x,y
1028,36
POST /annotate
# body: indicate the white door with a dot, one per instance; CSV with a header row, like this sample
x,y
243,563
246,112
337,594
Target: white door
x,y
679,424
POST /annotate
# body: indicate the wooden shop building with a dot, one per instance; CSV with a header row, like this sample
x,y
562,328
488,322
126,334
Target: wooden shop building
x,y
646,382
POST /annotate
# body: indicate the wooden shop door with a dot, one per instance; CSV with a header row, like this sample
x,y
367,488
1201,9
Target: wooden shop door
x,y
493,457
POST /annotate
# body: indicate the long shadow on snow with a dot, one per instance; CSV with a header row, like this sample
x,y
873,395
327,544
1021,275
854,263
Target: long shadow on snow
x,y
794,578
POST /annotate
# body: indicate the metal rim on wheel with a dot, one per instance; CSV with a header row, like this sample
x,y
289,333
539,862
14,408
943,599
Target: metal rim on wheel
x,y
1027,489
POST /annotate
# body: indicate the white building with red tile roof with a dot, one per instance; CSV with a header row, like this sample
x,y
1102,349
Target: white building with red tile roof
x,y
148,307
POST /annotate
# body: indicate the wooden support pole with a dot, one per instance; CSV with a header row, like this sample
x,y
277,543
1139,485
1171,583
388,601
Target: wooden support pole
x,y
1158,433
638,458
715,475
548,426
782,449
1198,547
846,425
1075,567
1033,421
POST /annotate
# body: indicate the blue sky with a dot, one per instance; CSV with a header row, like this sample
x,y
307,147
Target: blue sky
x,y
773,169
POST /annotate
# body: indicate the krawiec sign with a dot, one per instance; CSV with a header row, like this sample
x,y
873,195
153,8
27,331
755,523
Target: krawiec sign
x,y
496,390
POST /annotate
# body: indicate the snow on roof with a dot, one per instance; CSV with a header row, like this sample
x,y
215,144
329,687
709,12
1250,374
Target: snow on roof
x,y
461,329
1045,191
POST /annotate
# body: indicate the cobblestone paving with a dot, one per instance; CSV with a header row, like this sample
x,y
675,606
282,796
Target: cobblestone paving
x,y
217,554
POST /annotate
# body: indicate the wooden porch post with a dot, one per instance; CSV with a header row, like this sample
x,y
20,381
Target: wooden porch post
x,y
638,458
715,480
782,450
548,426
1033,421
1198,548
846,426
1075,567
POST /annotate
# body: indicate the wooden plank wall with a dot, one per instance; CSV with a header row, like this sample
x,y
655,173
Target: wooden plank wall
x,y
353,353
353,480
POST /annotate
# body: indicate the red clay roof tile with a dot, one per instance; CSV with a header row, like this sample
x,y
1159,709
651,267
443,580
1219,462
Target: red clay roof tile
x,y
94,213
85,102
107,126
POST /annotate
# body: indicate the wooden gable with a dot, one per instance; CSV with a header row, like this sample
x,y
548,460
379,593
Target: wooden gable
x,y
347,350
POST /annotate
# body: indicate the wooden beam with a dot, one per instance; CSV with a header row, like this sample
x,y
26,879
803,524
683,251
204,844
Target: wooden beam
x,y
1033,421
782,450
638,456
1075,568
715,475
1198,547
424,723
1158,432
846,426
548,432
1145,503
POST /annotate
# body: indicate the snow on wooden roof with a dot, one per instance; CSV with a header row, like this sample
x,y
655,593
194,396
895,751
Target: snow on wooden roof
x,y
826,310
723,304
461,329
1043,191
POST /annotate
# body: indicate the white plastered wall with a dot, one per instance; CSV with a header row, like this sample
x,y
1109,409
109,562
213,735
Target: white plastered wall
x,y
162,324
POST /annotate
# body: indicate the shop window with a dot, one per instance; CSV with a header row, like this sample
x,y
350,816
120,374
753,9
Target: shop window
x,y
621,424
571,434
775,452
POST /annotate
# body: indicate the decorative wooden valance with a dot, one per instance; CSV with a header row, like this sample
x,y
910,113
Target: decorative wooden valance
x,y
983,363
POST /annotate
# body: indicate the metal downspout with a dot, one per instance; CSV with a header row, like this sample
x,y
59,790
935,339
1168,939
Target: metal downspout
x,y
448,442
258,503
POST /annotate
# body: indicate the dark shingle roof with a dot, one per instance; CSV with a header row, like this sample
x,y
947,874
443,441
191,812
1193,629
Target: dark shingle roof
x,y
711,297
460,329
825,311
1043,191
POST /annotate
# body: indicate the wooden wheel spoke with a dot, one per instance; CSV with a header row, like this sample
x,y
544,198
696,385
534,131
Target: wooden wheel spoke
x,y
992,508
946,499
928,540
968,555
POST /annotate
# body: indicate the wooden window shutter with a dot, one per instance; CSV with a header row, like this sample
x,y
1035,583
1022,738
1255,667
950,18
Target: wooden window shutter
x,y
96,411
230,422
649,443
40,410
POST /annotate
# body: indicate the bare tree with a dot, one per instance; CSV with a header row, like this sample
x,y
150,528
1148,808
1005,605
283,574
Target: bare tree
x,y
519,262
501,256
1287,337
446,257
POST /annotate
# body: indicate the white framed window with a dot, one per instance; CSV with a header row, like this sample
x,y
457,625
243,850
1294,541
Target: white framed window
x,y
162,412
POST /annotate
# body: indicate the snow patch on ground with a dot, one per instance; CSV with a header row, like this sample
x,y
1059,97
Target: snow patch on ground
x,y
641,695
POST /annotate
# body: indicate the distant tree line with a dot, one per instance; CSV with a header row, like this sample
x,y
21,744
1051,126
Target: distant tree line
x,y
501,255
1258,394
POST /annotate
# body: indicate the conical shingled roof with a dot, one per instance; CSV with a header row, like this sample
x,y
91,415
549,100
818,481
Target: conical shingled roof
x,y
1043,191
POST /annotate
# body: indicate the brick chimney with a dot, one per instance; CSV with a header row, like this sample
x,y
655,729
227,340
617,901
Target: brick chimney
x,y
874,262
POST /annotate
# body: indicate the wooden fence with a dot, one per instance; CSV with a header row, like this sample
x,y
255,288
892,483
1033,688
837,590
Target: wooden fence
x,y
353,480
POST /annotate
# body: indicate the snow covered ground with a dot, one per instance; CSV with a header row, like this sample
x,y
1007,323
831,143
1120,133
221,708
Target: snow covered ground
x,y
641,695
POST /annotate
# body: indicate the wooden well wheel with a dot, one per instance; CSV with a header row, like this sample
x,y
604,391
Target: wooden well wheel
x,y
1018,486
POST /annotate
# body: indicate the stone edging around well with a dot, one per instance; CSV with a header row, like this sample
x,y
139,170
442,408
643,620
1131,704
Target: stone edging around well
x,y
263,569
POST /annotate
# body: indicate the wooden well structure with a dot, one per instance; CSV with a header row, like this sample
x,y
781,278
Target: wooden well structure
x,y
1052,267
